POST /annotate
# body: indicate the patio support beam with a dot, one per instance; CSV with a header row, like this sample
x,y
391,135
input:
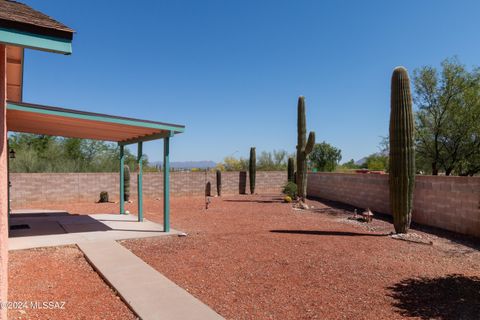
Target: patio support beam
x,y
140,181
3,182
122,182
166,184
146,138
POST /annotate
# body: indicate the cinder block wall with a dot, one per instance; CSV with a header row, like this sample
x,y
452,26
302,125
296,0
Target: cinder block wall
x,y
451,203
64,187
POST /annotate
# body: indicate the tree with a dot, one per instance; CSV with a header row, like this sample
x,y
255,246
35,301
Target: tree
x,y
325,157
269,161
377,162
350,165
40,153
234,164
447,120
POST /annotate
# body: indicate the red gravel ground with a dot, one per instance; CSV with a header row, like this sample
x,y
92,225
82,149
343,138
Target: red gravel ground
x,y
254,257
56,275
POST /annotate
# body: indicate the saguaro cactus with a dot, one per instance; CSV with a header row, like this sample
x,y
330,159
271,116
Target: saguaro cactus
x,y
402,151
126,183
252,169
219,183
291,170
304,147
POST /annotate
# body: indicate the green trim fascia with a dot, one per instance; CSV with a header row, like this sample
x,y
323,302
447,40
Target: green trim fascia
x,y
35,41
128,122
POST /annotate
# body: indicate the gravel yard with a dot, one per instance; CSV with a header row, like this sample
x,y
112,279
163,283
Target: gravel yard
x,y
63,279
254,257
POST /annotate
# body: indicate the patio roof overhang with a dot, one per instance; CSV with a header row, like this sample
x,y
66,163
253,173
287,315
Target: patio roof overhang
x,y
54,121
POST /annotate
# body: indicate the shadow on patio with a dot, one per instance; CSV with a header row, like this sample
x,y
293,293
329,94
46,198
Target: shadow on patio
x,y
30,223
43,228
447,298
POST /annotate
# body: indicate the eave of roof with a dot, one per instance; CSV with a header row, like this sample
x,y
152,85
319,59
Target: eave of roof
x,y
19,16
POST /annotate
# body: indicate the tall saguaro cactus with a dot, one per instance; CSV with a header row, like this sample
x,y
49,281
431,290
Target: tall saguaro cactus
x,y
304,147
402,151
219,182
291,170
252,169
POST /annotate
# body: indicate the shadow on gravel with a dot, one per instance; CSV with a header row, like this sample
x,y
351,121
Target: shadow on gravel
x,y
330,233
468,241
447,298
255,201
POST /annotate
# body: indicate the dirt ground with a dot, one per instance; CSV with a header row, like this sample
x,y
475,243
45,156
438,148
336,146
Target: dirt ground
x,y
61,278
254,257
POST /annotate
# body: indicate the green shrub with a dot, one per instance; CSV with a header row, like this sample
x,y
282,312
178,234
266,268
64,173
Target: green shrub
x,y
290,189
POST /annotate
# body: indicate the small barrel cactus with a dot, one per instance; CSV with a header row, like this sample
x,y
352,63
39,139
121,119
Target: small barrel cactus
x,y
402,151
219,183
252,169
126,183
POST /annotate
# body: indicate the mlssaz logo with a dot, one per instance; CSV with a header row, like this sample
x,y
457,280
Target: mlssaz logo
x,y
47,304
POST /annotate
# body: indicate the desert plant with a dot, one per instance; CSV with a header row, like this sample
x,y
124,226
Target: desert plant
x,y
252,169
219,183
291,169
242,182
103,196
402,151
290,189
208,189
324,157
126,183
304,147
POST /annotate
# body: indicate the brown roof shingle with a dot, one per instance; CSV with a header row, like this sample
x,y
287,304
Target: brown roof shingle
x,y
19,16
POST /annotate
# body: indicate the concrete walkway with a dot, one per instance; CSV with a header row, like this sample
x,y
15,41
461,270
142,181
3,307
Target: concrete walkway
x,y
150,294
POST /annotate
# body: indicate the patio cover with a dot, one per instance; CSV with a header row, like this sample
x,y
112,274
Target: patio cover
x,y
38,119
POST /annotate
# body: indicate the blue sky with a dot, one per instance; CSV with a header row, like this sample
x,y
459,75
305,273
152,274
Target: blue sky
x,y
231,71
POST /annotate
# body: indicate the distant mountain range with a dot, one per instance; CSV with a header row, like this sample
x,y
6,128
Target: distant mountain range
x,y
361,162
188,164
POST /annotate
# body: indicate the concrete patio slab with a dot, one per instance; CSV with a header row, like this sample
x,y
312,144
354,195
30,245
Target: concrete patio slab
x,y
149,294
55,228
